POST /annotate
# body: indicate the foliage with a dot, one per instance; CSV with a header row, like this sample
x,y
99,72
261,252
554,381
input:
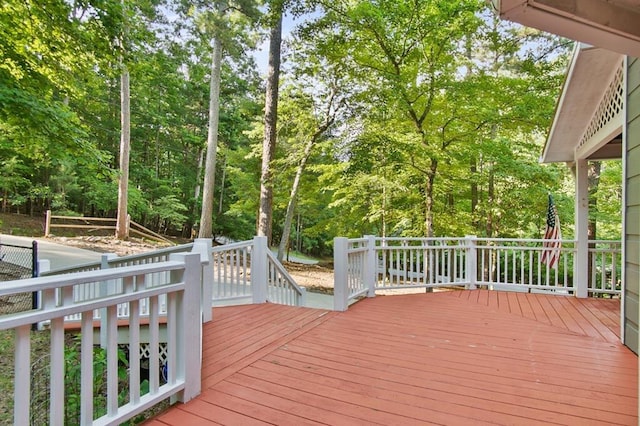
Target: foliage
x,y
443,113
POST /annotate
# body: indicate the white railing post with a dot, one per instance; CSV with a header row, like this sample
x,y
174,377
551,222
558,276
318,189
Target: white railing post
x,y
471,264
22,374
303,297
106,288
340,267
190,327
44,265
371,266
203,247
259,269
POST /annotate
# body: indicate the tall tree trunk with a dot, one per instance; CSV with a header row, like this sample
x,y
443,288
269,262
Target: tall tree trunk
x,y
490,200
122,228
224,175
431,177
474,193
291,205
206,216
196,192
265,213
122,218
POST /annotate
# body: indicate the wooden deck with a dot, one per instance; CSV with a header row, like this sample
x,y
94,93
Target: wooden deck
x,y
455,358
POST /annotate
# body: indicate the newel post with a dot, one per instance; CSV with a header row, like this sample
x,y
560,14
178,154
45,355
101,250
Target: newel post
x,y
44,265
371,266
203,247
340,267
259,269
189,326
106,288
472,261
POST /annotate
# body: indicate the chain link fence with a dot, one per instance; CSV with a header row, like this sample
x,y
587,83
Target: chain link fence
x,y
16,263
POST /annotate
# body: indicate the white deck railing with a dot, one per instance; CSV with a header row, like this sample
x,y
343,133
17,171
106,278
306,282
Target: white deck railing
x,y
365,265
171,289
180,285
248,271
228,276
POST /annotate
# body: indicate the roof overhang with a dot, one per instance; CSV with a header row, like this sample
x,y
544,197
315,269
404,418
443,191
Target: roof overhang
x,y
612,24
591,71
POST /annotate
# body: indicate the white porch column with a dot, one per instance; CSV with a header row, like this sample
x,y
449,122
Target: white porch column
x,y
581,233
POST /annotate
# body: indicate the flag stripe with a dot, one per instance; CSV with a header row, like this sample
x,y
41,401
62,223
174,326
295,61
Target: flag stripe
x,y
551,252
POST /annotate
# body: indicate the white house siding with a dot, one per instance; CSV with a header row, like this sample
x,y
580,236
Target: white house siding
x,y
632,211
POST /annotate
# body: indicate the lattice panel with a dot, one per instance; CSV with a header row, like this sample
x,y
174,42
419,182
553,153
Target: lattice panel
x,y
610,106
145,353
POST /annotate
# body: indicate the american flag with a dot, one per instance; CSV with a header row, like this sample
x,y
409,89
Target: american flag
x,y
552,236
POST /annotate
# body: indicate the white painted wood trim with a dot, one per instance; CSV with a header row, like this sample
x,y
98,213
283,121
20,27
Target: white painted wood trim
x,y
581,261
340,259
259,269
57,370
22,376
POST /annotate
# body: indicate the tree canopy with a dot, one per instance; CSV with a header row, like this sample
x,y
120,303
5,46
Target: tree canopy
x,y
396,118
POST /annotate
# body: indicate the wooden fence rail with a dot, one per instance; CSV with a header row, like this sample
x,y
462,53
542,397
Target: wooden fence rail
x,y
96,223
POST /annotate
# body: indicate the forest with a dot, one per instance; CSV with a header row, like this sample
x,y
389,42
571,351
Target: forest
x,y
300,120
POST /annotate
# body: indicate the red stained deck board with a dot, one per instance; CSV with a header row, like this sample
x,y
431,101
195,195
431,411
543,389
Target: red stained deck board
x,y
436,378
284,401
442,397
216,368
463,357
283,413
319,401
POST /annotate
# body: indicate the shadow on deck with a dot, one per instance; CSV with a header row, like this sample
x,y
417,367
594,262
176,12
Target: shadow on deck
x,y
463,357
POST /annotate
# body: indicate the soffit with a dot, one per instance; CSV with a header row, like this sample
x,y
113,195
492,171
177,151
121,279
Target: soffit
x,y
612,24
590,73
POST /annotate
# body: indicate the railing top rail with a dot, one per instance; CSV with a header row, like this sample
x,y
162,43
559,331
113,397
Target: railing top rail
x,y
418,239
283,271
69,269
119,260
415,239
154,253
51,282
232,246
36,316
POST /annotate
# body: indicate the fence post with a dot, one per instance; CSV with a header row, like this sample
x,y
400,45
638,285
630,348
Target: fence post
x,y
259,269
472,261
34,272
47,223
371,266
189,364
203,247
340,267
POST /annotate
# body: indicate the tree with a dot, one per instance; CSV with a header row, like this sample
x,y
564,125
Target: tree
x,y
219,25
206,216
122,218
312,128
270,119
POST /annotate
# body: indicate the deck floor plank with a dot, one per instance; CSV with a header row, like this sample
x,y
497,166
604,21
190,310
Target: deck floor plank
x,y
459,357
